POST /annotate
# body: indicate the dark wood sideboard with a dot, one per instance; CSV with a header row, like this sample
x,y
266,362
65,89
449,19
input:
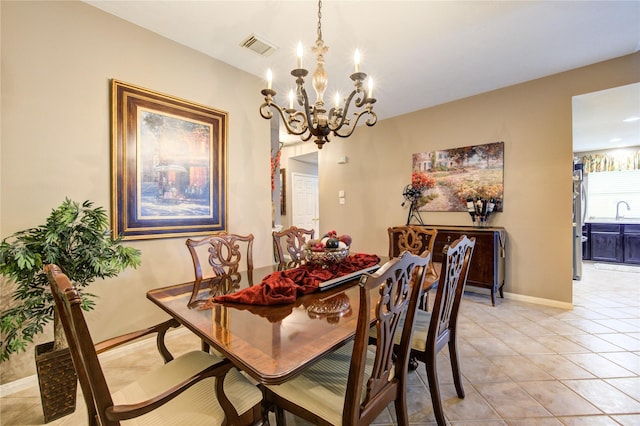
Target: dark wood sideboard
x,y
487,263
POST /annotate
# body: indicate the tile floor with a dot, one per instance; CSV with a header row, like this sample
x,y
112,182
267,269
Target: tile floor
x,y
523,364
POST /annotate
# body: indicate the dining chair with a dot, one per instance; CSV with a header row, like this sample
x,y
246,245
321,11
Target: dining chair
x,y
432,331
415,239
355,383
195,388
295,239
223,252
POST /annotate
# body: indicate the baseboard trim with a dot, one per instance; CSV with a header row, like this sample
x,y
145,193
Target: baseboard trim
x,y
10,388
521,298
538,301
18,385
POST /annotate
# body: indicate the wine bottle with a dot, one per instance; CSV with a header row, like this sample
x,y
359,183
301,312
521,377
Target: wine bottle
x,y
492,205
471,209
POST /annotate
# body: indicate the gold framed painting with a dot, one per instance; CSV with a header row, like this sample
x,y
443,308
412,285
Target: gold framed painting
x,y
169,165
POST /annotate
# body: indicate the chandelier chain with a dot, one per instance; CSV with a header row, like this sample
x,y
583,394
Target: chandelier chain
x,y
319,20
317,120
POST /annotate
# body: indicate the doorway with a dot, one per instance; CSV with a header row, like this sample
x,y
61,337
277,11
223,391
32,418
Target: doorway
x,y
302,195
304,202
605,125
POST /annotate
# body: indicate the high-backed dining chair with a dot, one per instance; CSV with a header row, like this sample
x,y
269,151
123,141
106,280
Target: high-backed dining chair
x,y
223,252
294,240
195,388
415,239
354,384
433,330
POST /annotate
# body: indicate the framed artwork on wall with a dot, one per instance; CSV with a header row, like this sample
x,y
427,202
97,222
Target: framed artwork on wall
x,y
446,179
168,165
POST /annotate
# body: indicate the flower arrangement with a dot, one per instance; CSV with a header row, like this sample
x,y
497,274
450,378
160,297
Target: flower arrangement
x,y
275,165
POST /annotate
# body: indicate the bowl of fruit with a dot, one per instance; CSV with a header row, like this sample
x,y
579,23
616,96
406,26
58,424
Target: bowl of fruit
x,y
327,251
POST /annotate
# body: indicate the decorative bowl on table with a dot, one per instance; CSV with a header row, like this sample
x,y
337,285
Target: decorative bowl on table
x,y
329,250
326,257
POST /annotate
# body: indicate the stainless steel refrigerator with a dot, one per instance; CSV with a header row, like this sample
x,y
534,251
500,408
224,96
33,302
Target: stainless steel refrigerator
x,y
579,210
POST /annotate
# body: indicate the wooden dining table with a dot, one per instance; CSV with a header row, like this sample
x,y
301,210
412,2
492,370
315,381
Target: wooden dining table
x,y
270,343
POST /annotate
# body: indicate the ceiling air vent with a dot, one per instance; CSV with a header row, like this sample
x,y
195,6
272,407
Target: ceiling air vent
x,y
258,45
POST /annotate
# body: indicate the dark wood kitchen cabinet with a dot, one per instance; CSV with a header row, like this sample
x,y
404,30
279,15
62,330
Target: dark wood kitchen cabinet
x,y
586,244
631,244
614,242
606,242
487,264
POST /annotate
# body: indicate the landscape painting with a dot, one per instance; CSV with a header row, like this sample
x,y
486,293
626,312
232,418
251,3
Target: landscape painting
x,y
447,179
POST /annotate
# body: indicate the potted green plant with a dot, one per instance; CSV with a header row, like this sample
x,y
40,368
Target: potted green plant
x,y
77,238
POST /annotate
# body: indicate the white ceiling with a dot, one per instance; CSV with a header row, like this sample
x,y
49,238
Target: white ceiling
x,y
605,119
419,53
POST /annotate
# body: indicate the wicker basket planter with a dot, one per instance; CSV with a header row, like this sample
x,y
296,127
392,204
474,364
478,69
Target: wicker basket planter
x,y
58,381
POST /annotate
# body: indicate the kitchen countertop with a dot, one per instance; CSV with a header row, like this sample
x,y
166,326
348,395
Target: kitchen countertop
x,y
621,221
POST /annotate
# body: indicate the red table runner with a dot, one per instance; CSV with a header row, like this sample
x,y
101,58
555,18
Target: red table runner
x,y
284,287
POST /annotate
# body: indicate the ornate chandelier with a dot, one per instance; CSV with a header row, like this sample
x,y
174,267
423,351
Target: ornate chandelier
x,y
314,121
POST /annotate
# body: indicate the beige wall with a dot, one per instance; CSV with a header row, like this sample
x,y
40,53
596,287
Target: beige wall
x,y
57,61
534,121
58,58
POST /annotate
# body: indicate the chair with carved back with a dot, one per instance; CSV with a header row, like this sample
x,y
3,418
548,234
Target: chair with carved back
x,y
291,253
355,383
416,240
434,330
224,254
194,388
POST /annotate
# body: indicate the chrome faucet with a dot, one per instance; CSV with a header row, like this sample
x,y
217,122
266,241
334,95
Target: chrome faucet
x,y
618,216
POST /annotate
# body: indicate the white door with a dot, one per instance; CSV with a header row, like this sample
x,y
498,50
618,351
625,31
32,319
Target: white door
x,y
304,202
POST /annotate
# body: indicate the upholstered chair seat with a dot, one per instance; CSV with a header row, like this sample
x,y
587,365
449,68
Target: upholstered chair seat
x,y
321,389
198,406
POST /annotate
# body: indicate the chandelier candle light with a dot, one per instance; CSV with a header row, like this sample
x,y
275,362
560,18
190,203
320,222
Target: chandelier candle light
x,y
314,121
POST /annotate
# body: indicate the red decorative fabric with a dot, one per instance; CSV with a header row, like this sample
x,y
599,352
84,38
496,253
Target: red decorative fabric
x,y
283,287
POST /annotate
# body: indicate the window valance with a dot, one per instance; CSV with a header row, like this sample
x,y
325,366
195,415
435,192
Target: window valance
x,y
606,162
